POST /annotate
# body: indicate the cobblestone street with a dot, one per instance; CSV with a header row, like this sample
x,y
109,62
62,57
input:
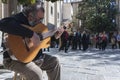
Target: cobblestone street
x,y
78,65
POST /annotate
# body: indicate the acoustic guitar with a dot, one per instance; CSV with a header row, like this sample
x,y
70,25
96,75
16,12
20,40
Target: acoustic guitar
x,y
25,51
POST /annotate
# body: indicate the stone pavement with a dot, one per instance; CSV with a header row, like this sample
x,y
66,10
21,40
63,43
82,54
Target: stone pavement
x,y
91,65
88,65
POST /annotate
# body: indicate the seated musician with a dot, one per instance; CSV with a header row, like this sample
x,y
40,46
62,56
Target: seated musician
x,y
31,16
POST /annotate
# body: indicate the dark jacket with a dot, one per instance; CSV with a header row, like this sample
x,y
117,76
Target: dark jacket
x,y
64,36
12,25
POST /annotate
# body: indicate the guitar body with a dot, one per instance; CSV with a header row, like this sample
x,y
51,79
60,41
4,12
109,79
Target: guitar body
x,y
18,48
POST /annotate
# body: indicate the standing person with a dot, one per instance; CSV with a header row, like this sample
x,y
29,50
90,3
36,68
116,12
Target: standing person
x,y
70,44
92,40
87,40
100,41
104,41
113,42
96,40
31,15
78,37
74,41
115,36
64,40
118,39
84,40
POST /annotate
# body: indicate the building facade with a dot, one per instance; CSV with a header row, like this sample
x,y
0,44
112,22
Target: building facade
x,y
67,12
8,9
74,4
3,10
53,14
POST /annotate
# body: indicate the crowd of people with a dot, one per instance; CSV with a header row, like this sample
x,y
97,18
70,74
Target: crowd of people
x,y
82,40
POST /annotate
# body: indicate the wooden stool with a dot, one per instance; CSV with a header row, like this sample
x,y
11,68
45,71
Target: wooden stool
x,y
17,76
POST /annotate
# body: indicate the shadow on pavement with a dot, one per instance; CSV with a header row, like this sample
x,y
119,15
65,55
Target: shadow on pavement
x,y
9,79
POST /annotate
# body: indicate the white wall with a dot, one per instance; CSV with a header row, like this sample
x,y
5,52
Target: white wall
x,y
55,17
51,16
67,11
59,13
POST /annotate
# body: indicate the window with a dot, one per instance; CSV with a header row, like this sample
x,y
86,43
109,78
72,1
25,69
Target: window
x,y
58,15
51,10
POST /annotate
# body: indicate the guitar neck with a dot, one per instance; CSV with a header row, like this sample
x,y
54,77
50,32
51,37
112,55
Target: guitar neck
x,y
48,34
57,32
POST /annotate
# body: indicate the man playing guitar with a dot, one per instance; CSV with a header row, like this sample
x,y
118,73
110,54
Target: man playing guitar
x,y
31,16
